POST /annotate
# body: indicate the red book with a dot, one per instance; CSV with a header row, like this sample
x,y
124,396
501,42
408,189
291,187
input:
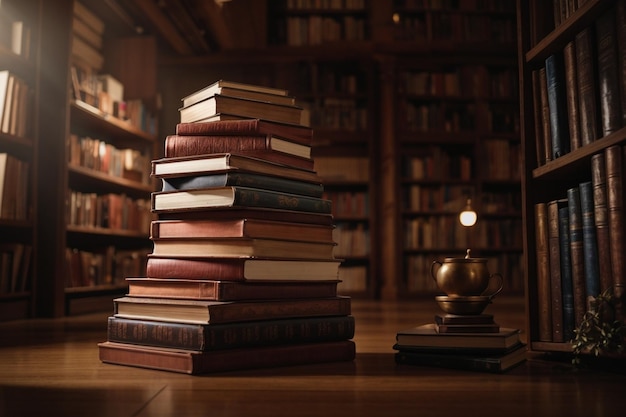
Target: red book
x,y
295,133
249,213
242,269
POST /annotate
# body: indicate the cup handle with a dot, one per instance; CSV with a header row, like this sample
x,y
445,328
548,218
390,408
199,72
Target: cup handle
x,y
496,292
432,269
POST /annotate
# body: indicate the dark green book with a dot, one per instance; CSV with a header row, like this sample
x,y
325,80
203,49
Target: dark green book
x,y
204,337
235,196
242,179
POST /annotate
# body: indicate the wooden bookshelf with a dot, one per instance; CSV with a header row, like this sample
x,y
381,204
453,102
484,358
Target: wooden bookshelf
x,y
546,30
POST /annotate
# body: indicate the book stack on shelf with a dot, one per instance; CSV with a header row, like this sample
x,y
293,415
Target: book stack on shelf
x,y
243,273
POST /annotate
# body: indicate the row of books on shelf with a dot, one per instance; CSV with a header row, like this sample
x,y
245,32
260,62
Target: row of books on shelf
x,y
98,155
14,186
319,29
580,246
448,198
502,159
351,239
15,103
111,211
464,81
343,168
471,5
325,4
577,96
15,267
426,115
347,204
437,163
337,113
111,266
422,25
440,232
247,273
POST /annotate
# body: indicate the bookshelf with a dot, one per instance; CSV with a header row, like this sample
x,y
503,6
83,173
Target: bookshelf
x,y
100,138
557,292
19,40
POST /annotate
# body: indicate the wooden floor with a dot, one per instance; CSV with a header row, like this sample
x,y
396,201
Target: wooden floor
x,y
51,368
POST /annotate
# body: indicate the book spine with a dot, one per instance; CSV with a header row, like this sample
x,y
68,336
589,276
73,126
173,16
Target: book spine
x,y
543,272
556,302
243,180
250,197
590,245
299,134
577,253
620,26
567,288
586,82
615,205
598,180
538,118
230,336
557,103
224,269
545,117
608,77
571,93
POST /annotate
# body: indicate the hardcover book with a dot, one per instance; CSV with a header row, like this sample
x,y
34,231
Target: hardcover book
x,y
235,196
614,158
295,133
212,337
242,247
608,76
587,86
207,289
495,363
202,311
243,179
245,227
216,163
590,243
242,269
601,215
543,272
237,89
259,213
567,286
559,130
197,362
427,336
241,107
577,253
556,291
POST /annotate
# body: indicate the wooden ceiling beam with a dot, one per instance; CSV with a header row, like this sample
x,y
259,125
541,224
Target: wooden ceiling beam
x,y
211,13
186,24
164,25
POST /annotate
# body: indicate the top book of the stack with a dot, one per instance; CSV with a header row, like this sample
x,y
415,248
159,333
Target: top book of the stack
x,y
224,100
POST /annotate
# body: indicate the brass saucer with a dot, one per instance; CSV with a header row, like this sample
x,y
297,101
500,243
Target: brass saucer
x,y
463,305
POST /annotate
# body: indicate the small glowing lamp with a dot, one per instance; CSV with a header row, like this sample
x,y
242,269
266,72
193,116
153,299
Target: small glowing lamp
x,y
468,216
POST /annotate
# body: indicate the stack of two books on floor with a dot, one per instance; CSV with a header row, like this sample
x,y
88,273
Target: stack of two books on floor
x,y
242,274
466,342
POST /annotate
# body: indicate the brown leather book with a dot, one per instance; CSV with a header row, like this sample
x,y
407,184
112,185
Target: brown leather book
x,y
545,116
556,298
241,269
608,76
196,362
620,25
249,213
577,254
615,205
586,82
537,114
598,180
206,289
543,272
571,94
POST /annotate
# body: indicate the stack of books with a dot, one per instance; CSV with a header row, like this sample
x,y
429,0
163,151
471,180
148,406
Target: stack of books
x,y
467,342
242,274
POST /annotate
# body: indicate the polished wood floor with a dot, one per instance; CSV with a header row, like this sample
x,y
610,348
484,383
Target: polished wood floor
x,y
51,368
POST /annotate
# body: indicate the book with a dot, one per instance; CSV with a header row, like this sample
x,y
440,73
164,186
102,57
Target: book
x,y
203,311
231,213
586,83
461,319
426,335
571,94
556,291
467,328
250,228
239,247
235,196
208,289
237,89
496,363
243,179
577,256
540,139
296,133
559,130
268,147
620,28
213,337
590,243
197,362
608,76
242,269
242,107
213,163
567,288
614,160
543,272
600,210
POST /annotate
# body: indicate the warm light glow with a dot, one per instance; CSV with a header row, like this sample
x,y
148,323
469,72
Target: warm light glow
x,y
468,216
